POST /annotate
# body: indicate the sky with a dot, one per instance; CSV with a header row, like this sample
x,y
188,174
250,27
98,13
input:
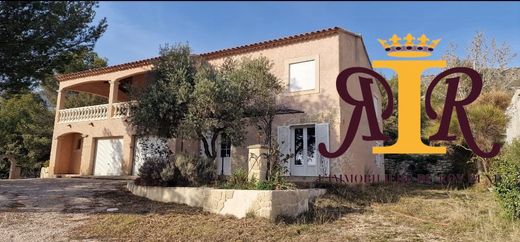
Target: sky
x,y
136,30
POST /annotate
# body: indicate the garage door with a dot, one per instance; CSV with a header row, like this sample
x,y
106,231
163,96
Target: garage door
x,y
109,157
148,146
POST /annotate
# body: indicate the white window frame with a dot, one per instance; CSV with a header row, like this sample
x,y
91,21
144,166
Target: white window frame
x,y
305,144
288,64
285,138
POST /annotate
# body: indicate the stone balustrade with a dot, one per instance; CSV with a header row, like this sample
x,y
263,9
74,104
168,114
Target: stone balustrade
x,y
122,109
96,112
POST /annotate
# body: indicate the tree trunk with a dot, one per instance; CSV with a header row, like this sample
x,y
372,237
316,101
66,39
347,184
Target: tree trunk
x,y
14,171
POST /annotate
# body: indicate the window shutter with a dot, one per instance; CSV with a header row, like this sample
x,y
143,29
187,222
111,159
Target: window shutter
x,y
322,136
284,144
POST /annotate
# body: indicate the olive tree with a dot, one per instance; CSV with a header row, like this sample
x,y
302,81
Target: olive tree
x,y
189,98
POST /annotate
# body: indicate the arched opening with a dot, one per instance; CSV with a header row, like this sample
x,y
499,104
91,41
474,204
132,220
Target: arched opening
x,y
68,156
97,92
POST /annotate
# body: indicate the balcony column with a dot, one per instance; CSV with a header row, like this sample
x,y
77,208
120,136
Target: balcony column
x,y
112,97
60,103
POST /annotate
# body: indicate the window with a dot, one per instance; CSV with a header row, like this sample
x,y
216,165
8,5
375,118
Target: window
x,y
225,147
78,143
302,76
304,146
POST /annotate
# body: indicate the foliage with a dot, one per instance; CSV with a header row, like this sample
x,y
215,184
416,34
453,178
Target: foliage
x,y
279,165
150,171
26,130
390,124
39,36
189,98
239,180
196,170
507,188
179,170
218,106
238,177
486,115
4,168
489,59
262,107
488,122
164,102
265,185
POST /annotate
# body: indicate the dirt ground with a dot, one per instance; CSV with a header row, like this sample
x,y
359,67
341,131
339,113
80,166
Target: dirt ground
x,y
48,209
76,209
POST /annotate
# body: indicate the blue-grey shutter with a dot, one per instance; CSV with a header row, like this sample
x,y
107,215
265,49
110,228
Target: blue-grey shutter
x,y
284,143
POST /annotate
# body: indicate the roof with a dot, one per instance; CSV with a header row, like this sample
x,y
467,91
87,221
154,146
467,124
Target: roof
x,y
215,54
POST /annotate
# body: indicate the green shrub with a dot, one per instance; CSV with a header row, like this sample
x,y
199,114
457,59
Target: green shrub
x,y
265,185
196,170
277,169
180,170
239,177
239,180
150,171
507,172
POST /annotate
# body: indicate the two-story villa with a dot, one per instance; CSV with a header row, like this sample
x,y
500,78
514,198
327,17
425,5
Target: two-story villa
x,y
98,140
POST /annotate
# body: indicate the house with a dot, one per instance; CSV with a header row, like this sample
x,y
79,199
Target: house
x,y
98,140
513,128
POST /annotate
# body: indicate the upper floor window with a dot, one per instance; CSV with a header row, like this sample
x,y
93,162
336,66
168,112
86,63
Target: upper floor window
x,y
302,76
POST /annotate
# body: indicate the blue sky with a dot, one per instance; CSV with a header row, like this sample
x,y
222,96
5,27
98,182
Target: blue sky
x,y
137,29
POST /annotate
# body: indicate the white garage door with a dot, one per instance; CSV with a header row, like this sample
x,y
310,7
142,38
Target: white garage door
x,y
148,146
109,157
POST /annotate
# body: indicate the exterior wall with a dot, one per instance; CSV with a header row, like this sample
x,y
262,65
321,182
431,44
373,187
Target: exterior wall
x,y
62,148
319,105
513,129
359,159
90,131
332,54
238,203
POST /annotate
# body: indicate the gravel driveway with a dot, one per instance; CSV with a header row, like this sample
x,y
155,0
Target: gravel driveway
x,y
48,209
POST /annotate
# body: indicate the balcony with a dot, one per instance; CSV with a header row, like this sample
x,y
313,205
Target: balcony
x,y
97,112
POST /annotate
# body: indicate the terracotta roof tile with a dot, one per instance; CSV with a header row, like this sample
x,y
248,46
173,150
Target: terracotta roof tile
x,y
214,54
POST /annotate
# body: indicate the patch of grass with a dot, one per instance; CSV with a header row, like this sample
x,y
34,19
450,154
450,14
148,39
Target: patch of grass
x,y
371,213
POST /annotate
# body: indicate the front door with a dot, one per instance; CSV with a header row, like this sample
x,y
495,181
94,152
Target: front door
x,y
304,147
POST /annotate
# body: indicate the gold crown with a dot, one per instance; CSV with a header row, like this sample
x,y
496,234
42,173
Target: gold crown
x,y
409,49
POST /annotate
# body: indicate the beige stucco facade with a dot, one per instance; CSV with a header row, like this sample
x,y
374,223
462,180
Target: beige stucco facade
x,y
331,54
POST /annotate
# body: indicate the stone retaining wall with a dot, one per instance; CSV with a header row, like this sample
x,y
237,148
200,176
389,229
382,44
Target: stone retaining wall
x,y
261,203
411,168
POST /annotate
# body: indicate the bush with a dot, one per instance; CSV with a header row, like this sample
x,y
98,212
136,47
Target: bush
x,y
239,180
180,170
507,172
239,177
195,170
265,185
150,171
